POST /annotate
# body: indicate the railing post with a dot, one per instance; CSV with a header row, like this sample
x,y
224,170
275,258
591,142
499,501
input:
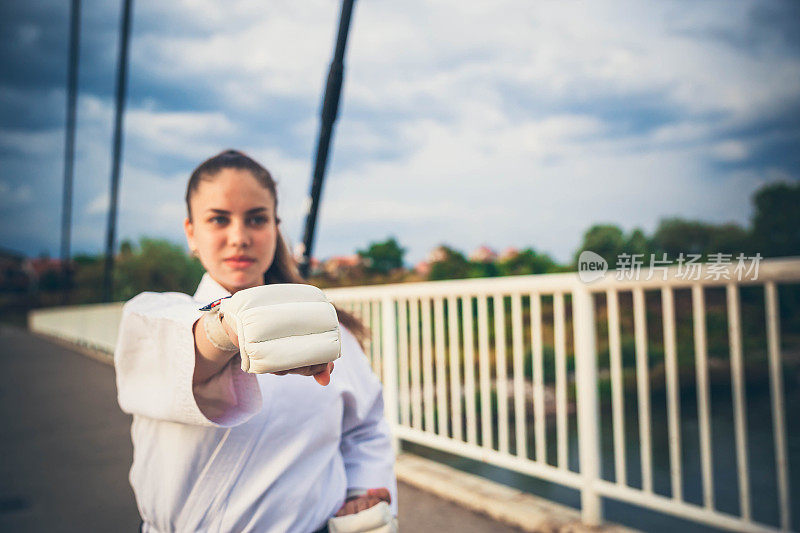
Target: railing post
x,y
389,352
587,403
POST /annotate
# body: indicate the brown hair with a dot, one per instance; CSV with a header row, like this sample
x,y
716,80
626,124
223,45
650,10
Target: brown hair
x,y
283,268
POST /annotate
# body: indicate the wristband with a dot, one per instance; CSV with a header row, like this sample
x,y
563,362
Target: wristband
x,y
215,332
354,493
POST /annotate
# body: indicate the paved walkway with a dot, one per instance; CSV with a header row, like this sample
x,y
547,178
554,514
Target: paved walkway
x,y
65,449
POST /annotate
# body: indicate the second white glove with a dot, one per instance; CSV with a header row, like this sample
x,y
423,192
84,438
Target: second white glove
x,y
376,519
282,326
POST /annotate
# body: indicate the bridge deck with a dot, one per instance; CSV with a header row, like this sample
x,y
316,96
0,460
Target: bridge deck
x,y
66,449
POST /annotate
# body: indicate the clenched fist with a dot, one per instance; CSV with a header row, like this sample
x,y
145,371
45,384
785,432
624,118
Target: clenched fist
x,y
281,328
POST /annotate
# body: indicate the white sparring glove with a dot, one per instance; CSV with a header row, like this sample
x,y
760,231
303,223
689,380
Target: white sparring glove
x,y
280,327
376,519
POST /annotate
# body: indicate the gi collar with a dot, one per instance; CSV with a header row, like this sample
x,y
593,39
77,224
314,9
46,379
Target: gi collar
x,y
209,290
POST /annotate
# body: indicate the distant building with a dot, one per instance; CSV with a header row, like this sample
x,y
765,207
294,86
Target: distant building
x,y
20,273
45,272
483,254
342,265
39,266
423,268
508,253
316,266
437,254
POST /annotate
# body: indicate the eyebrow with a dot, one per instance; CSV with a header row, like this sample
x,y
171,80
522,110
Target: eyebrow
x,y
249,212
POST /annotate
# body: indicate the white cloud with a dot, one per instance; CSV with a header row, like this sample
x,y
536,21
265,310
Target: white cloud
x,y
189,134
23,194
730,151
248,53
29,34
170,211
99,205
507,123
466,101
11,194
32,143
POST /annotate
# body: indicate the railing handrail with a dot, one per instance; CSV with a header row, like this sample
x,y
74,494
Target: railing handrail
x,y
778,270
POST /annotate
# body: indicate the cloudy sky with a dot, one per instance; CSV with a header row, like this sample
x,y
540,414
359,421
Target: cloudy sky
x,y
508,123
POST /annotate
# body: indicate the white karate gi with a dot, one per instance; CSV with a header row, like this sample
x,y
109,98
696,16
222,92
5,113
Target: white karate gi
x,y
244,452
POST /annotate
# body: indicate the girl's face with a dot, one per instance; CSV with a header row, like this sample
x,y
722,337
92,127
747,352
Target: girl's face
x,y
233,228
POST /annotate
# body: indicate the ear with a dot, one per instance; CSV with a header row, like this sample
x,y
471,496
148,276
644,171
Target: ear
x,y
188,229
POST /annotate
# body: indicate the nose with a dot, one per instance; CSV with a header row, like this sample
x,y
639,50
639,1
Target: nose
x,y
238,234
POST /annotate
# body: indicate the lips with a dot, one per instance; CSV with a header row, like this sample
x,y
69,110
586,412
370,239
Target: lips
x,y
240,261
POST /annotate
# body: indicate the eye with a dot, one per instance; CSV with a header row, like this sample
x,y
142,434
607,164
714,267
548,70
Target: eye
x,y
258,220
219,220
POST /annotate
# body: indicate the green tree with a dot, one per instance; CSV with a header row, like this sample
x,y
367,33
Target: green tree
x,y
731,239
527,261
638,243
606,240
383,257
480,269
126,248
51,280
453,266
776,222
158,265
676,235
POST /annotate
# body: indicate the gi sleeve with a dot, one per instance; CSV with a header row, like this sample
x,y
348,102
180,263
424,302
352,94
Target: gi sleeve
x,y
154,361
366,444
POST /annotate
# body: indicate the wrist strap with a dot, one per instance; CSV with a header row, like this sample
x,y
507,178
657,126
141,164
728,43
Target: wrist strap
x,y
354,493
212,324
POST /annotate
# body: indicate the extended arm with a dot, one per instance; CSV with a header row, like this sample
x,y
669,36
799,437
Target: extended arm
x,y
169,368
155,360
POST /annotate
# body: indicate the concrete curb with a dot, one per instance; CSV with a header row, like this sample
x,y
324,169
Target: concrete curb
x,y
500,502
99,355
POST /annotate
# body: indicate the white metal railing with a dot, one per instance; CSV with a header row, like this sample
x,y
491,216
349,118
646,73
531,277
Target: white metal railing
x,y
426,339
442,357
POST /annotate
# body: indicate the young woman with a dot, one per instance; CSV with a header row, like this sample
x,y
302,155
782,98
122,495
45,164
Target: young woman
x,y
220,449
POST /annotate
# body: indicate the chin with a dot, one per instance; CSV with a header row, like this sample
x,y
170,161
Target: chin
x,y
245,282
